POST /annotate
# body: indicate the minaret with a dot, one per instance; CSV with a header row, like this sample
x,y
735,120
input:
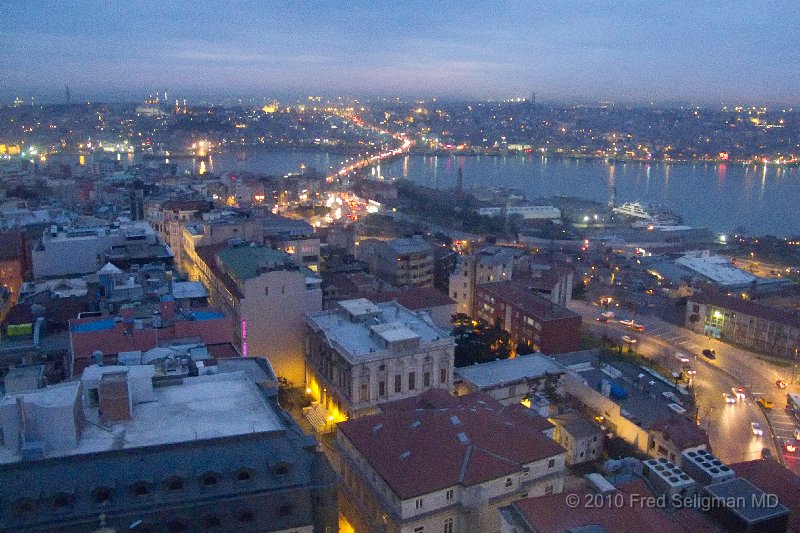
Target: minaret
x,y
177,107
184,106
67,96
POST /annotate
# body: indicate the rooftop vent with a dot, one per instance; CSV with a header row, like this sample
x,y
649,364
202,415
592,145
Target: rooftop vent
x,y
462,437
455,420
405,455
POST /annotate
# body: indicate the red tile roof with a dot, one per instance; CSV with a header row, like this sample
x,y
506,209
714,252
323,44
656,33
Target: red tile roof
x,y
417,449
774,478
747,307
533,304
682,431
552,514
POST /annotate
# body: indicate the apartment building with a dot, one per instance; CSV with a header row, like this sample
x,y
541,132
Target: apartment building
x,y
362,354
405,262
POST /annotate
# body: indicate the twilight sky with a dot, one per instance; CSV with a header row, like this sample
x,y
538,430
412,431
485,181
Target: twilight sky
x,y
707,51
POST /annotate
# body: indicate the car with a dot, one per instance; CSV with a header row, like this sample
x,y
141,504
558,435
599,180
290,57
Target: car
x,y
738,392
790,446
628,340
766,403
780,384
637,327
681,357
755,427
797,434
711,354
729,398
689,370
602,318
626,322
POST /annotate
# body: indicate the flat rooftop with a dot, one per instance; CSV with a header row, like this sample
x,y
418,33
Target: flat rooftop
x,y
497,373
198,408
716,268
361,338
645,404
746,495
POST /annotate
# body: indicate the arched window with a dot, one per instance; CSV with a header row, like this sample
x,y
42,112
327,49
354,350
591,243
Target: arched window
x,y
61,501
209,479
101,495
175,483
140,488
244,474
23,506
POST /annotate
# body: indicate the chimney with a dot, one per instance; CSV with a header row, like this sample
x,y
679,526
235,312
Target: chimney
x,y
115,403
167,308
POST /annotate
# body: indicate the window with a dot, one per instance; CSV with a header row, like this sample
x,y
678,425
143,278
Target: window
x,y
526,470
509,482
398,383
448,525
419,529
551,463
418,503
548,489
60,501
101,495
442,375
175,483
209,479
381,388
455,295
426,379
594,439
448,495
23,506
411,378
140,488
285,510
243,474
266,291
363,395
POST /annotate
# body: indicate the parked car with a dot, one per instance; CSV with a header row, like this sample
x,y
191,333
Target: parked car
x,y
626,322
681,357
711,354
628,340
780,384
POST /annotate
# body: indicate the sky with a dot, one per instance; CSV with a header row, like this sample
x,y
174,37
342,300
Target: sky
x,y
701,51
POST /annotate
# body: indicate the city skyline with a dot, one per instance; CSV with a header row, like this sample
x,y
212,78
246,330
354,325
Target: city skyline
x,y
621,51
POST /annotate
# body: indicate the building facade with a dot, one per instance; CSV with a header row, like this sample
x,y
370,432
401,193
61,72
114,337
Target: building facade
x,y
749,324
267,295
469,456
406,262
532,321
361,354
491,264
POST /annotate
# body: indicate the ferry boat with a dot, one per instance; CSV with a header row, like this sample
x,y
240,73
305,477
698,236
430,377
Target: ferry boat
x,y
654,214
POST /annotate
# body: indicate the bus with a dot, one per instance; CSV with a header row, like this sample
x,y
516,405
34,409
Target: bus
x,y
793,403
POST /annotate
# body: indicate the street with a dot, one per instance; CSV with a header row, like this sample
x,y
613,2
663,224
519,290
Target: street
x,y
727,425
